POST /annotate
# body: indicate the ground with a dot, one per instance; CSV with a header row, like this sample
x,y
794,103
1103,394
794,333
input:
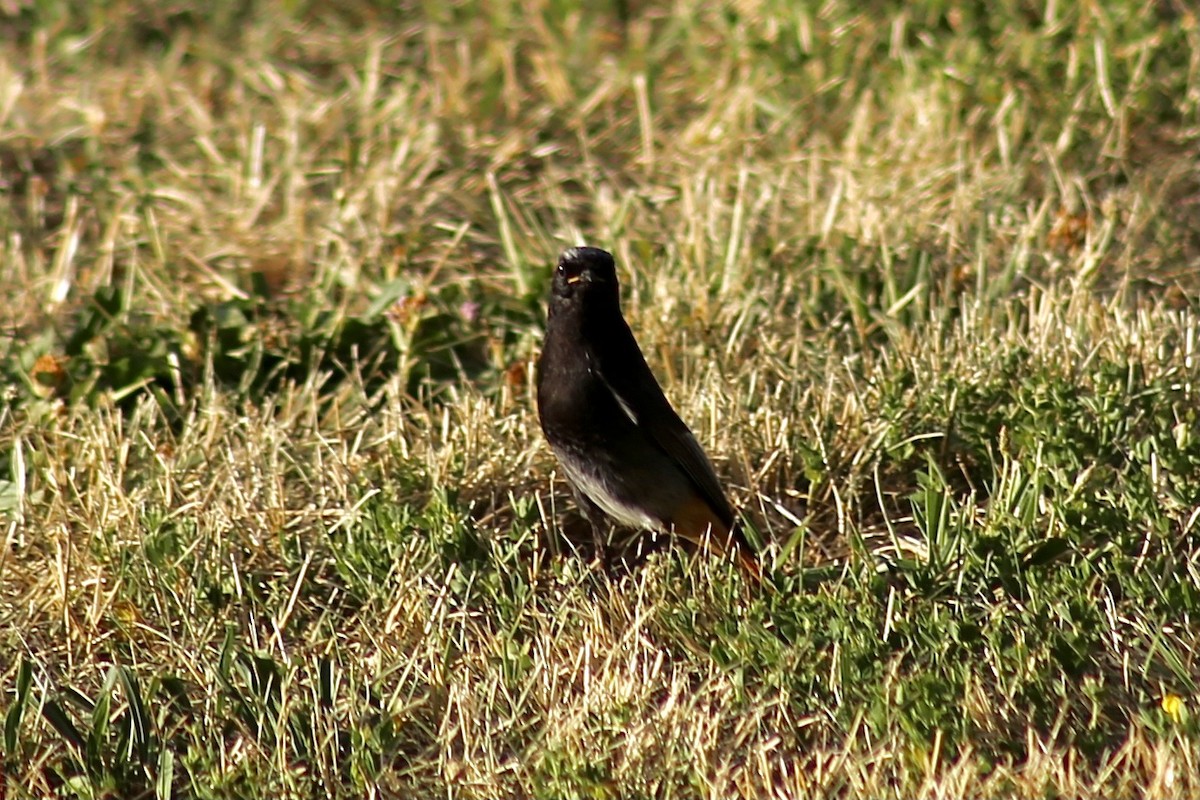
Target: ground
x,y
278,518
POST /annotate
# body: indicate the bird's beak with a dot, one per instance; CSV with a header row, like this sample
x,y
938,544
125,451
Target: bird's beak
x,y
576,278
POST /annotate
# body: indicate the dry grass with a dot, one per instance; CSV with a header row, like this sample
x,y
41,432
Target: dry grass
x,y
278,519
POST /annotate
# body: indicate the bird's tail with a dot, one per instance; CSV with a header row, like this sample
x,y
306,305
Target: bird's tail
x,y
744,554
697,523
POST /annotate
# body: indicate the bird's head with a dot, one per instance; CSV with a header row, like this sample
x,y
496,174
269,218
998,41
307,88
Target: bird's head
x,y
584,273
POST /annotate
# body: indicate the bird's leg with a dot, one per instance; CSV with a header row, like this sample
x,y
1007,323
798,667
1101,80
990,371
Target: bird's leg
x,y
602,528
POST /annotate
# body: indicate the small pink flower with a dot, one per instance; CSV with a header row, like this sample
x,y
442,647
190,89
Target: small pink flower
x,y
469,310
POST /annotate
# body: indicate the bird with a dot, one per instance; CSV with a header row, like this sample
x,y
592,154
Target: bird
x,y
626,454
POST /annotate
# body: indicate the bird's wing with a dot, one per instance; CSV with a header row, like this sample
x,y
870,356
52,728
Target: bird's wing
x,y
624,371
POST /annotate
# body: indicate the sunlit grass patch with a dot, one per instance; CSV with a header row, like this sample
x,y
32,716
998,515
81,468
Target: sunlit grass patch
x,y
277,516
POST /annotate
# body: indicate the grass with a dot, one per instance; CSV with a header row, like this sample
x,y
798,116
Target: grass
x,y
278,520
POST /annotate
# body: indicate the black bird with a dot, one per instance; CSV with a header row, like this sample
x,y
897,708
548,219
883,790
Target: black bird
x,y
626,453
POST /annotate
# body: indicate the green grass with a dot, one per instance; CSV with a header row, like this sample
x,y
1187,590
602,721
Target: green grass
x,y
278,519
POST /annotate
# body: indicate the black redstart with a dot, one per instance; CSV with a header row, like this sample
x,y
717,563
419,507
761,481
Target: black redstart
x,y
626,453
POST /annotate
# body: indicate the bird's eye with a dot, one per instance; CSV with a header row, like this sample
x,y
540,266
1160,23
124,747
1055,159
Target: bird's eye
x,y
561,269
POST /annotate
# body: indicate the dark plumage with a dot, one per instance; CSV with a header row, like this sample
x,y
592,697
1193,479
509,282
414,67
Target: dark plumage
x,y
626,453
